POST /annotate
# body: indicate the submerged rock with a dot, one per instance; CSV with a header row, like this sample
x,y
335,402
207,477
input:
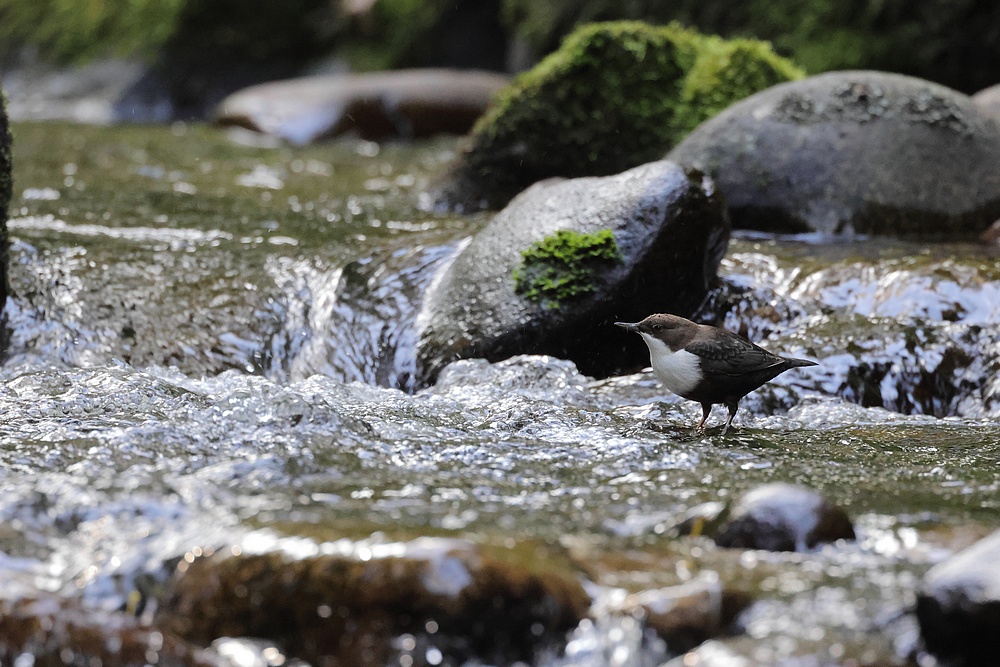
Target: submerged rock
x,y
690,613
50,631
614,96
346,608
959,606
554,270
845,152
783,517
378,105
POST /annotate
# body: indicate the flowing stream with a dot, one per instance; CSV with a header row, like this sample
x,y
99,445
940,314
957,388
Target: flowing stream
x,y
211,344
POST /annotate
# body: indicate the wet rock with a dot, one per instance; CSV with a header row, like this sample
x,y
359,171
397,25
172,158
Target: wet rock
x,y
959,606
844,152
554,270
783,517
6,184
57,632
377,105
346,608
988,99
689,614
711,654
614,96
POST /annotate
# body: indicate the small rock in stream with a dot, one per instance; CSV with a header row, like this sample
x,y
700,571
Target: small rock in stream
x,y
346,608
959,606
783,517
60,632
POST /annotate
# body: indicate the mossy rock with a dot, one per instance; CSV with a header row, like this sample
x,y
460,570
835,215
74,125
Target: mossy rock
x,y
934,40
6,190
485,604
564,265
553,271
614,96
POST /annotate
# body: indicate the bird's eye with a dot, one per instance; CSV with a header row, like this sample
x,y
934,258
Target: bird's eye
x,y
657,327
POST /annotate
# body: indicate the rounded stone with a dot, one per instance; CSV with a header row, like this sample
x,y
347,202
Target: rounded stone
x,y
959,605
783,517
376,105
853,152
647,240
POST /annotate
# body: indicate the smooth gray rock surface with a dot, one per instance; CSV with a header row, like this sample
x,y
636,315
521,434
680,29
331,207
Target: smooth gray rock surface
x,y
671,231
856,151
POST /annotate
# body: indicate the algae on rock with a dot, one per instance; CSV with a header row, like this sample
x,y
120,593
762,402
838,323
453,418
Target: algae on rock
x,y
562,265
614,96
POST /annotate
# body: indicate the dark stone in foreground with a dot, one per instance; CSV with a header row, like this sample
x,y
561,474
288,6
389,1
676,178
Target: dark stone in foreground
x,y
55,632
345,609
844,152
377,105
783,517
670,232
6,189
959,606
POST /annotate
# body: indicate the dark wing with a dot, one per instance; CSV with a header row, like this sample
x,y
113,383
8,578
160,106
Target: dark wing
x,y
733,356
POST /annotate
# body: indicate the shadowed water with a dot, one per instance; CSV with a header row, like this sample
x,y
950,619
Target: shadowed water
x,y
210,342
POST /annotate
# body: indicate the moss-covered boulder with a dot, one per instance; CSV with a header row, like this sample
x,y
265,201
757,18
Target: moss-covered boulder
x,y
345,608
853,152
6,189
565,259
614,96
953,43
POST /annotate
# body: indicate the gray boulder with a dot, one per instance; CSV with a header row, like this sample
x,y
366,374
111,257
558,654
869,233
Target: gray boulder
x,y
959,605
988,99
565,259
844,152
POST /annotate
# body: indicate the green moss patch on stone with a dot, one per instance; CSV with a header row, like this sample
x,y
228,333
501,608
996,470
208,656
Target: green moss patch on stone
x,y
615,95
564,265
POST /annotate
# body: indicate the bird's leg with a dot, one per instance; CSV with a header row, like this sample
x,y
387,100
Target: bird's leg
x,y
706,409
733,407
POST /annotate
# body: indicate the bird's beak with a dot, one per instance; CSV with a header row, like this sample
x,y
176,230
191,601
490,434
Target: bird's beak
x,y
628,326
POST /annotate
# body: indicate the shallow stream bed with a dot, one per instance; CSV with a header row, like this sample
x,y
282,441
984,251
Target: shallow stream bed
x,y
210,346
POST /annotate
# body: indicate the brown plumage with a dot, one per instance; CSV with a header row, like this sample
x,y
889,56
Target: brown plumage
x,y
707,364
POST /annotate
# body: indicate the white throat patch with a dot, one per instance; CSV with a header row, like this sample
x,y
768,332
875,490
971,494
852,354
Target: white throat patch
x,y
678,371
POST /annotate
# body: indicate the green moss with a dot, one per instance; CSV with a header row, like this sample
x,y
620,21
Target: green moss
x,y
726,71
71,31
614,96
906,36
564,265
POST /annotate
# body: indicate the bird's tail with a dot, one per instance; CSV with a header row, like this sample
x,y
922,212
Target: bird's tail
x,y
795,363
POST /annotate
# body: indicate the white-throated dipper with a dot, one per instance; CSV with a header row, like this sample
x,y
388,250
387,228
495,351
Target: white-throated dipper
x,y
707,364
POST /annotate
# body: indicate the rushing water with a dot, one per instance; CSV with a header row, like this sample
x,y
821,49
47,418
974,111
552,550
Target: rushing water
x,y
210,340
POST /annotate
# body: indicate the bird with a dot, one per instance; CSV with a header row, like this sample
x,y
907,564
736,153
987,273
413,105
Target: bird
x,y
707,364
